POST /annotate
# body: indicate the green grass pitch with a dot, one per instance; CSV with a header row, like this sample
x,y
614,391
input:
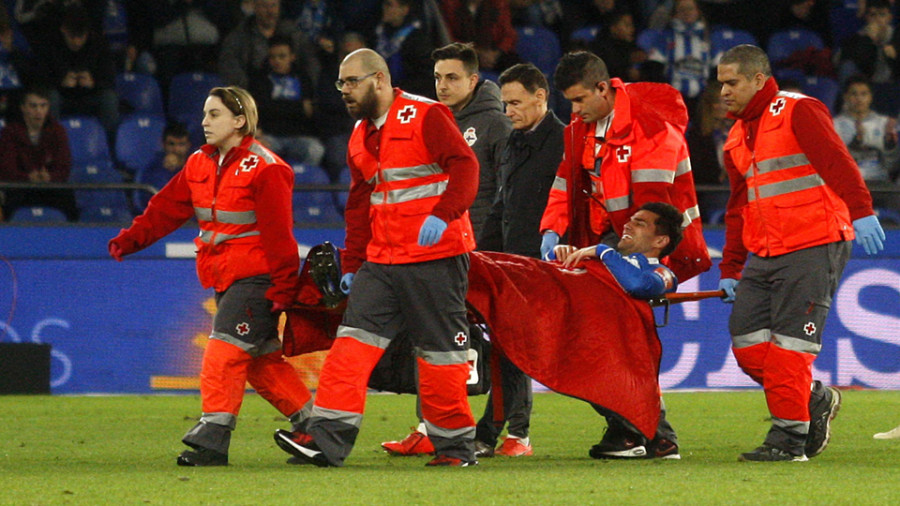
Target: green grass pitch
x,y
121,450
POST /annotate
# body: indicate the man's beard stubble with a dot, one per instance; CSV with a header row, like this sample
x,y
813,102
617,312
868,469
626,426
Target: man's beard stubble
x,y
366,107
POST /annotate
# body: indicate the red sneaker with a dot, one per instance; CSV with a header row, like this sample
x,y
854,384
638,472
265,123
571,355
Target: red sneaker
x,y
413,444
514,447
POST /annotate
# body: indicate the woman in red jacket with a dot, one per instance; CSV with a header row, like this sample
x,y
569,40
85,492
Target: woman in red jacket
x,y
240,193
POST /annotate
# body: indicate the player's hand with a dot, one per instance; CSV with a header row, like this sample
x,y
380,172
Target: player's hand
x,y
346,281
869,234
549,241
728,285
431,231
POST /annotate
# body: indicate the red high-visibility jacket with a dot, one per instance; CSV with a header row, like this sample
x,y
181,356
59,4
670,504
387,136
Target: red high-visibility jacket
x,y
243,208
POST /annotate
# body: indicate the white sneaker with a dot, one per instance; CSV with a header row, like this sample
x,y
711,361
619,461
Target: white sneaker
x,y
891,434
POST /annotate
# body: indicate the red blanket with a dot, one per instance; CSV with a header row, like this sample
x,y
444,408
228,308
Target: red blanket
x,y
576,332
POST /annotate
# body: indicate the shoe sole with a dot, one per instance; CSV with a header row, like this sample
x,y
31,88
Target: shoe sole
x,y
834,408
801,458
638,452
522,454
300,452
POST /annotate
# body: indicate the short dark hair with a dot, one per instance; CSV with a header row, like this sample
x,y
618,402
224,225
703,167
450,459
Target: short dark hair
x,y
75,20
750,60
529,76
37,89
580,67
175,129
878,4
857,79
668,224
281,39
464,52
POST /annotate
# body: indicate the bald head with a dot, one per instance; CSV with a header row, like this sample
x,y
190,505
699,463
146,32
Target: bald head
x,y
368,61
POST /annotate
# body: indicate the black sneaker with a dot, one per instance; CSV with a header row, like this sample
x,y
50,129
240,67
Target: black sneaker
x,y
822,411
619,445
767,453
202,457
483,450
663,448
445,461
302,446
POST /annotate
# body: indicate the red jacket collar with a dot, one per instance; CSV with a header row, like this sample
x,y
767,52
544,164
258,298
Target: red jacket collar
x,y
759,102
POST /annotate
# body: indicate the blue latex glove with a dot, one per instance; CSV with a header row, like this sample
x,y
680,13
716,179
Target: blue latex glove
x,y
346,281
431,231
728,284
869,234
549,240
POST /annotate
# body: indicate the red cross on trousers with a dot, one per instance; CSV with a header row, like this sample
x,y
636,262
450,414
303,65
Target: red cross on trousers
x,y
809,328
243,328
461,338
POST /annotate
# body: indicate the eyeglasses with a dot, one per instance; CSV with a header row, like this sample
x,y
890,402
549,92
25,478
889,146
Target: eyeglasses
x,y
352,82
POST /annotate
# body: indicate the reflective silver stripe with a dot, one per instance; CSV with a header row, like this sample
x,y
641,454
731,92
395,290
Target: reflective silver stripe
x,y
443,357
690,214
796,344
683,167
205,236
463,433
652,176
246,347
226,419
783,187
782,162
559,183
261,151
412,193
203,213
348,417
753,338
618,203
794,426
403,173
236,217
302,414
363,336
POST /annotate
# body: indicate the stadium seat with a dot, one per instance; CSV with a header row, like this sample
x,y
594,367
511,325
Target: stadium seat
x,y
782,44
140,93
585,35
340,198
886,98
823,88
115,25
138,141
103,205
887,215
723,38
540,46
87,139
315,207
648,39
843,20
37,214
187,94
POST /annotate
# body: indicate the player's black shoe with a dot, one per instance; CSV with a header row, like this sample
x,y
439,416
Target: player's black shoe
x,y
618,444
202,457
301,446
768,453
824,404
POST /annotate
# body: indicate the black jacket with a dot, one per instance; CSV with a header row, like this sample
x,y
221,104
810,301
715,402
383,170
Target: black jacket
x,y
527,170
486,129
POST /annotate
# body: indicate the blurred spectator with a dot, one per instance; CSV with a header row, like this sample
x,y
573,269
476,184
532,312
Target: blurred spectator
x,y
871,139
246,49
16,63
81,69
599,13
706,135
809,14
488,24
333,124
546,13
176,144
36,150
320,20
683,48
284,96
401,39
873,51
615,45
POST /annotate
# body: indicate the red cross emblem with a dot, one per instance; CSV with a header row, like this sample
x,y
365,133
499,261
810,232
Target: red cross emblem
x,y
623,153
809,328
243,328
776,107
461,339
406,114
249,163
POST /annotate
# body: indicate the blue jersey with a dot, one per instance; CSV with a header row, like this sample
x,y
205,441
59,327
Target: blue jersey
x,y
639,276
